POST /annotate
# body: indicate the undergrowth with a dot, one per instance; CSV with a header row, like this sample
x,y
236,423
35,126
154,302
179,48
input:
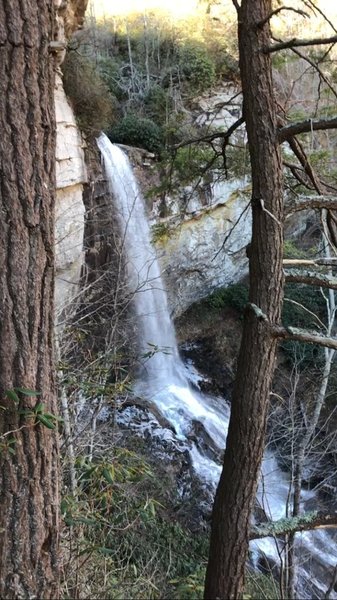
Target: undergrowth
x,y
120,539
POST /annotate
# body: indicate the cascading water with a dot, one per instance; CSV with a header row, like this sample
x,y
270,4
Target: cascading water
x,y
167,382
165,378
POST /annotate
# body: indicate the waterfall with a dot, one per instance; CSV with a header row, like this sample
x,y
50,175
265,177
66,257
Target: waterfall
x,y
166,381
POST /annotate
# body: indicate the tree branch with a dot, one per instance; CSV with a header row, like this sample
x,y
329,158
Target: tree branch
x,y
298,150
214,136
305,336
305,202
306,126
310,278
296,172
278,10
316,67
305,522
295,42
314,262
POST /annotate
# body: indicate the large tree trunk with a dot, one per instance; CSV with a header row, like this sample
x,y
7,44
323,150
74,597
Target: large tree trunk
x,y
245,442
28,450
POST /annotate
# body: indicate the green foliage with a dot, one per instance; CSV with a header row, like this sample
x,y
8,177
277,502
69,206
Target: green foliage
x,y
158,104
298,300
38,412
137,131
41,416
291,250
238,161
93,104
190,587
7,445
308,297
160,232
196,66
303,306
190,162
110,72
234,296
261,587
118,520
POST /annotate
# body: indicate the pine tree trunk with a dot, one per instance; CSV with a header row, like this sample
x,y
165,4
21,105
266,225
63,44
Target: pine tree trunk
x,y
28,450
245,442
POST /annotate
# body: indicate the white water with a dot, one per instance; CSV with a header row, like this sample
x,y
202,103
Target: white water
x,y
167,382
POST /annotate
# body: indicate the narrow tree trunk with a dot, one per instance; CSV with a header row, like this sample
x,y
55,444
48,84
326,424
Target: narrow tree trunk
x,y
245,442
28,450
303,446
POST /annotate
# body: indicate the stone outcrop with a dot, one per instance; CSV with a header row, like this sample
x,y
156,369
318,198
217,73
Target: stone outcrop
x,y
219,108
70,169
206,248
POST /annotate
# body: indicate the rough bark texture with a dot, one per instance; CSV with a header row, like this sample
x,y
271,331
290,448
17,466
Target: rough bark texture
x,y
245,442
28,474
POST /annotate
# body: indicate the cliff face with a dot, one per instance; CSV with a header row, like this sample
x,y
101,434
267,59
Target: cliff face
x,y
70,167
207,248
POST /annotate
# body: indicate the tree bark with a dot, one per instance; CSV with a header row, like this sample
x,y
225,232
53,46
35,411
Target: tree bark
x,y
28,450
245,442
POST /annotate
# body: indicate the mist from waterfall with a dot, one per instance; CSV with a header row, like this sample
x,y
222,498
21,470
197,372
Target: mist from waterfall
x,y
166,381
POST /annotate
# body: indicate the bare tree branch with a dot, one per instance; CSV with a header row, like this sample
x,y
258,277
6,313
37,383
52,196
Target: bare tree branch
x,y
305,522
310,278
332,585
213,136
316,67
306,126
305,336
294,262
278,10
300,154
295,42
315,9
297,171
306,202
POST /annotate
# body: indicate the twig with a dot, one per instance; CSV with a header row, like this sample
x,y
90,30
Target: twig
x,y
278,10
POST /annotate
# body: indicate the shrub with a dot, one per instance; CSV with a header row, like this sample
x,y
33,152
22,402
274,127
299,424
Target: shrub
x,y
92,102
111,73
158,104
196,66
137,131
190,162
234,296
119,522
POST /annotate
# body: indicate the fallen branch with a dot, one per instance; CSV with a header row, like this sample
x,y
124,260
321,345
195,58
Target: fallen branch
x,y
305,522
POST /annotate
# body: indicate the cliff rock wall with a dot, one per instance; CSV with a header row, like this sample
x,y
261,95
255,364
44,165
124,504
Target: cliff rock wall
x,y
70,168
207,248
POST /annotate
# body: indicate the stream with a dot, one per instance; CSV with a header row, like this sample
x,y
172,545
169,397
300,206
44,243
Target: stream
x,y
172,387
